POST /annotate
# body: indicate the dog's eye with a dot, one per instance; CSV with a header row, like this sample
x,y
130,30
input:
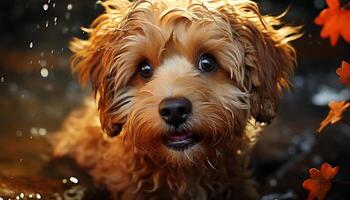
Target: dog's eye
x,y
146,70
207,63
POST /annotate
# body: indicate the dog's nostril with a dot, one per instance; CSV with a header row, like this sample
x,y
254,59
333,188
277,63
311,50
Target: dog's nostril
x,y
182,110
164,112
175,110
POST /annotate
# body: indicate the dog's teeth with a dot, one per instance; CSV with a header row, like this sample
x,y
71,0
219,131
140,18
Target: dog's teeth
x,y
181,143
188,140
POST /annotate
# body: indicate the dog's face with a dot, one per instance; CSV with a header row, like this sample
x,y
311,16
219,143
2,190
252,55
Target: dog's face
x,y
180,80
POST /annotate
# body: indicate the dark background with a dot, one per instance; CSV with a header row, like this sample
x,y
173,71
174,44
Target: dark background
x,y
34,41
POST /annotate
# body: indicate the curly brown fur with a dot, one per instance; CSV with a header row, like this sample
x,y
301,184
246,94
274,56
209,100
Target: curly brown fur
x,y
254,64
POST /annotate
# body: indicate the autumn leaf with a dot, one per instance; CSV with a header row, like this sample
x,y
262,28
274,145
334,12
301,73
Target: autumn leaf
x,y
320,181
344,73
337,108
335,21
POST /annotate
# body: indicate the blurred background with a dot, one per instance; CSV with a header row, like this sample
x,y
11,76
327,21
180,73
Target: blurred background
x,y
37,91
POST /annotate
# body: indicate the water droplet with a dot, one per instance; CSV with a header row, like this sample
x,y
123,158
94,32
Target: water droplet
x,y
30,195
42,131
31,45
42,63
65,30
2,79
33,131
53,5
273,182
44,72
317,160
67,15
45,7
64,181
19,133
69,6
38,196
73,180
21,195
55,21
47,24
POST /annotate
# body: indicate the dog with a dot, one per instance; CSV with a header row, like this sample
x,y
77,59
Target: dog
x,y
180,91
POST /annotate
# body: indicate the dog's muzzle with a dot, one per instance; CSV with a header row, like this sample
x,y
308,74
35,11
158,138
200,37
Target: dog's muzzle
x,y
175,111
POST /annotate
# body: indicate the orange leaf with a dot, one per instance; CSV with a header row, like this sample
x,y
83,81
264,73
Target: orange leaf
x,y
333,4
322,17
335,114
345,21
344,73
320,181
335,21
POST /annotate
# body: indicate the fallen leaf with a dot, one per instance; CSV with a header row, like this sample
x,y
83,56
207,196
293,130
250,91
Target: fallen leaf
x,y
320,181
335,21
344,73
337,108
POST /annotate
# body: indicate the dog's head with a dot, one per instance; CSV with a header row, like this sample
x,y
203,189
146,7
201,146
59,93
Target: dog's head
x,y
179,79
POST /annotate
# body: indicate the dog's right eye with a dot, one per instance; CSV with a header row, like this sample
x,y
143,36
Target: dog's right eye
x,y
146,70
207,63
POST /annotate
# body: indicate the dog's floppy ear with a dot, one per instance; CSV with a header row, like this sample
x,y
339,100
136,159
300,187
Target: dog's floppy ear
x,y
269,58
94,57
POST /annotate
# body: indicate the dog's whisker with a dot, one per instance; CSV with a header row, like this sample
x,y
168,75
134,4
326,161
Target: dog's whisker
x,y
186,154
210,164
226,121
217,142
212,128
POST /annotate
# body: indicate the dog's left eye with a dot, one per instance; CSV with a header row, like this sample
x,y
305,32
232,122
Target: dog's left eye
x,y
146,70
207,63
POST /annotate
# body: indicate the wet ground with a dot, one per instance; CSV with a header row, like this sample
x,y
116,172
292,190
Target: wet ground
x,y
37,92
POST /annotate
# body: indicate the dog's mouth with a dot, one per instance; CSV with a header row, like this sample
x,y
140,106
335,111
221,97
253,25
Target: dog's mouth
x,y
181,141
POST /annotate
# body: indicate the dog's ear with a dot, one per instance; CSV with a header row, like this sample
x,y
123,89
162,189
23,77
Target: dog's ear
x,y
269,58
93,57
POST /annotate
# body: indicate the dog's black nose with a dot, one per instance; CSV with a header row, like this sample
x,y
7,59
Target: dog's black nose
x,y
175,110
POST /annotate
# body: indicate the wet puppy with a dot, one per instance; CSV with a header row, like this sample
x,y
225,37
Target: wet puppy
x,y
177,83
